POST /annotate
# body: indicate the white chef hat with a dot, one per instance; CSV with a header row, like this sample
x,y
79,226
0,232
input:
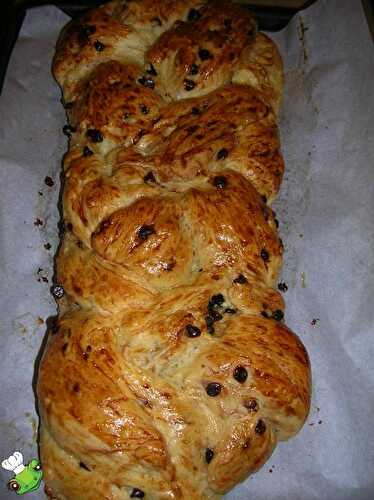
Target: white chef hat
x,y
14,463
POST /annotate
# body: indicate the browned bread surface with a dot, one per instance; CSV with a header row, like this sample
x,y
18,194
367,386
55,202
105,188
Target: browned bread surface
x,y
169,372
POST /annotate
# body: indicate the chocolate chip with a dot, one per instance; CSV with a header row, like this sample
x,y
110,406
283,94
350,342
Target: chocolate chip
x,y
58,291
99,46
193,15
240,374
144,109
193,69
222,154
84,466
265,255
282,286
209,324
241,279
188,85
260,427
149,177
215,315
217,299
251,405
220,181
213,389
146,231
151,70
227,23
209,454
229,310
68,130
95,135
264,198
278,315
87,151
204,54
136,493
147,81
192,331
195,111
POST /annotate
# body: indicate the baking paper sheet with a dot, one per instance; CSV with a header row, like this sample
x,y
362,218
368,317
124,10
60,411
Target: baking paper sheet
x,y
326,210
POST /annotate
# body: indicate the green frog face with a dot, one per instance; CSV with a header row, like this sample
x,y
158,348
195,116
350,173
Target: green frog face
x,y
27,480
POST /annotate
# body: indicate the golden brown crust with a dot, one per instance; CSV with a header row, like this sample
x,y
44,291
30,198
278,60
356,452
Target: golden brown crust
x,y
169,370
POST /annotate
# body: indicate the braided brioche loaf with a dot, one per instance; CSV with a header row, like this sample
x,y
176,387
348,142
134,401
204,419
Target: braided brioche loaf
x,y
169,372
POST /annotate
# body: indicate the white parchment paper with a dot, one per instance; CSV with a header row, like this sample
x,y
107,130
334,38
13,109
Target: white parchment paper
x,y
326,211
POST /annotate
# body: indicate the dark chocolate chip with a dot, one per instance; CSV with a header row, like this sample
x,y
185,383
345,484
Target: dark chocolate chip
x,y
68,130
147,81
195,111
193,15
241,279
213,389
84,466
146,231
240,374
144,109
216,300
265,255
99,46
209,454
209,324
282,286
220,181
95,135
278,315
215,315
87,151
136,493
58,291
204,54
49,181
188,85
222,154
193,69
260,427
151,70
192,331
149,177
229,310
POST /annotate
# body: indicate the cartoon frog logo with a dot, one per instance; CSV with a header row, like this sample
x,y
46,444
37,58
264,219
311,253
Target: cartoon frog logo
x,y
27,477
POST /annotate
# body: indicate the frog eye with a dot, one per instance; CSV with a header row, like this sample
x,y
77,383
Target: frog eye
x,y
13,485
37,467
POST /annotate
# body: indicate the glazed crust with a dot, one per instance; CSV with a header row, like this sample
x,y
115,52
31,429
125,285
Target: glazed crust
x,y
169,372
